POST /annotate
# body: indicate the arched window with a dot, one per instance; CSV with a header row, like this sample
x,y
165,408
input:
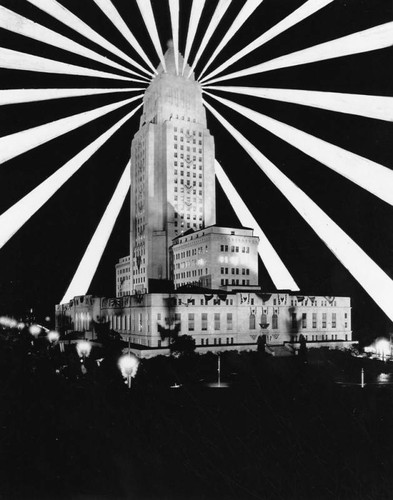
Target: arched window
x,y
252,321
275,321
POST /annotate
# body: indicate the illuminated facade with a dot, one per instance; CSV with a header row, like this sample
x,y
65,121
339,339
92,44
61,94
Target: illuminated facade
x,y
216,257
172,173
183,270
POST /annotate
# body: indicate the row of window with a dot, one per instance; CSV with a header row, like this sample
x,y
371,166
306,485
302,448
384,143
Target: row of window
x,y
176,163
124,270
188,132
189,274
188,174
235,270
193,141
203,341
189,149
186,216
236,249
200,184
175,155
225,282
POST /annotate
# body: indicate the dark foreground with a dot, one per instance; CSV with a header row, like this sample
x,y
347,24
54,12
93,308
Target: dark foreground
x,y
282,430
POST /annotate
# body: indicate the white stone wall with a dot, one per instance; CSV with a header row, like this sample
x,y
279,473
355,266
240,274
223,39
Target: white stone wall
x,y
140,319
230,255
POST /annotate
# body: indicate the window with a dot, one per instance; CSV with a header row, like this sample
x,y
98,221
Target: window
x,y
334,320
217,321
294,321
229,321
314,320
252,321
191,322
204,321
323,320
304,320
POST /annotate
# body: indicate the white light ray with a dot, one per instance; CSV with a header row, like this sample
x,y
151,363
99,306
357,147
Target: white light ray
x,y
174,10
279,274
248,8
88,265
113,15
22,26
56,10
17,215
370,106
18,143
196,12
304,11
367,174
370,276
12,59
148,18
375,38
18,96
221,8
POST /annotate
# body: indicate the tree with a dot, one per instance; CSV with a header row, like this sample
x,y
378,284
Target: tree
x,y
183,345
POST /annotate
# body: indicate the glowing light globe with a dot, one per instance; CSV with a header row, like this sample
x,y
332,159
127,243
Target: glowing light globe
x,y
53,336
83,348
382,347
128,365
35,330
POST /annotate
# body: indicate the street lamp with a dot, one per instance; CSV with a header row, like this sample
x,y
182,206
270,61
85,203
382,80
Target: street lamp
x,y
35,330
83,348
53,337
128,365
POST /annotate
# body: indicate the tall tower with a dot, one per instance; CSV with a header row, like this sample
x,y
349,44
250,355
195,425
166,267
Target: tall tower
x,y
172,172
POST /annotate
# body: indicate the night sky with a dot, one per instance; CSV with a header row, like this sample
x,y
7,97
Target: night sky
x,y
38,263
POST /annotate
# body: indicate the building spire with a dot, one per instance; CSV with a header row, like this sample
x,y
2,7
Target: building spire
x,y
170,62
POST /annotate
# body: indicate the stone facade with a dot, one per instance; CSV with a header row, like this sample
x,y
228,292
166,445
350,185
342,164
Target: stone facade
x,y
172,173
216,257
231,320
206,276
123,277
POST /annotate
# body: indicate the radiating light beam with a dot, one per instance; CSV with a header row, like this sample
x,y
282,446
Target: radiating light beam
x,y
375,38
17,215
304,11
148,18
12,59
221,8
369,106
19,96
88,265
113,15
174,11
370,276
16,23
18,143
365,173
246,11
195,16
279,274
56,10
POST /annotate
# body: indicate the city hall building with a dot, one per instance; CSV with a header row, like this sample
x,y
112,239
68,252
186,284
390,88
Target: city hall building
x,y
184,273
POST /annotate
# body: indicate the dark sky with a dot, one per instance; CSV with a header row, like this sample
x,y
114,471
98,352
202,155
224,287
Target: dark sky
x,y
38,263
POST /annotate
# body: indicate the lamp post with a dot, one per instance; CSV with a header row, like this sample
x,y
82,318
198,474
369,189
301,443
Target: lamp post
x,y
219,370
83,348
128,365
